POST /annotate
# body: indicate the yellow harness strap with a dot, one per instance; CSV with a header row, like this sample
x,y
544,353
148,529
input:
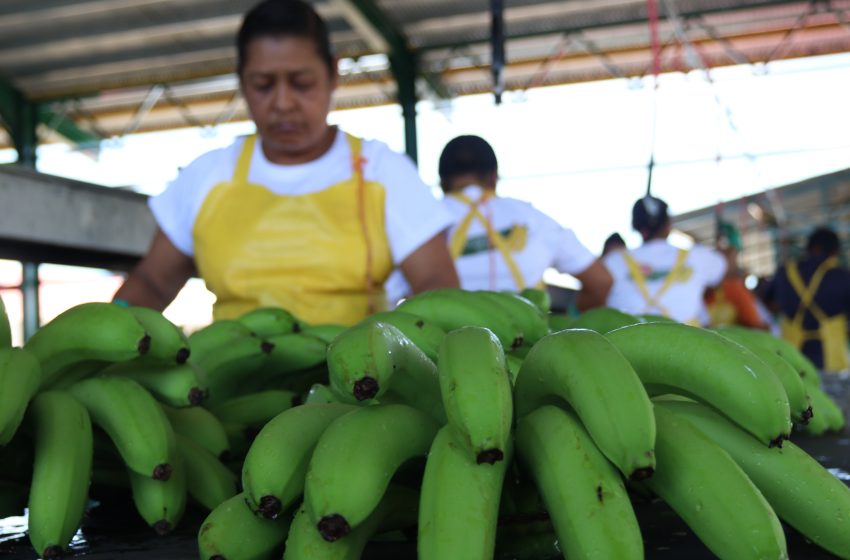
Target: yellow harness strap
x,y
640,280
458,240
831,331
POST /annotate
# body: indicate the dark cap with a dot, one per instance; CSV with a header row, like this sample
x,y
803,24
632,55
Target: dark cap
x,y
649,213
467,154
825,240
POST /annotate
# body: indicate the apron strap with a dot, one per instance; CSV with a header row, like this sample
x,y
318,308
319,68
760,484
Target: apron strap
x,y
462,234
807,293
243,164
639,279
357,161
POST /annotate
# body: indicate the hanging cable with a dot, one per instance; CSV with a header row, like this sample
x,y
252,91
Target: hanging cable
x,y
652,15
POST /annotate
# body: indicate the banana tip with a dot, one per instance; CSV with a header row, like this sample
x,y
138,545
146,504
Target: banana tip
x,y
144,345
806,415
777,441
642,473
182,355
162,472
53,551
196,396
270,507
489,456
366,388
333,527
267,347
162,527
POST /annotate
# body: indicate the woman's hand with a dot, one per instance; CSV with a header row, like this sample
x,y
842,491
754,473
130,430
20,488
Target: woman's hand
x,y
430,266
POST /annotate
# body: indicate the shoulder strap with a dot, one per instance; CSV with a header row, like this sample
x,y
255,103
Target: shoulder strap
x,y
807,293
243,164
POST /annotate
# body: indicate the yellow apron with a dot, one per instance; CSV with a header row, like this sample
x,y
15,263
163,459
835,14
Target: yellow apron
x,y
461,234
323,256
653,301
721,312
831,331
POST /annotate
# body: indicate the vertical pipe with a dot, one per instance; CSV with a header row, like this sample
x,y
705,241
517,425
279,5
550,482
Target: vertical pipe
x,y
497,42
403,67
29,293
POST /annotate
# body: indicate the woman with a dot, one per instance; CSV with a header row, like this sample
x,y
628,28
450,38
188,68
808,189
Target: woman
x,y
302,215
658,278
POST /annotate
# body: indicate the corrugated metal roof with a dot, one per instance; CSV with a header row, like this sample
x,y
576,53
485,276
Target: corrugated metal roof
x,y
98,62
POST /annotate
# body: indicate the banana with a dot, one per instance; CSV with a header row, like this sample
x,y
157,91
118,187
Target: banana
x,y
560,322
215,335
270,321
804,367
582,367
452,308
539,297
677,358
326,331
293,352
177,385
134,421
275,466
354,460
320,394
542,546
476,391
161,503
229,366
169,343
711,493
652,318
514,364
528,318
61,471
90,331
5,327
603,320
371,358
459,504
584,494
827,410
423,333
20,376
801,491
201,426
397,508
254,409
754,341
208,481
232,532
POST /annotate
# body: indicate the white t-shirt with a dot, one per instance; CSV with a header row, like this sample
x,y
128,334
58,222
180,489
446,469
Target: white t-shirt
x,y
412,214
539,243
704,267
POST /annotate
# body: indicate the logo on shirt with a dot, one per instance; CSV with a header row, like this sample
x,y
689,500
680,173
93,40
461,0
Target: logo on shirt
x,y
680,275
514,238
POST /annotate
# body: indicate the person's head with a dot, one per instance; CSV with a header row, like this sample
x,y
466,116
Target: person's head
x,y
287,74
650,218
613,243
468,160
823,242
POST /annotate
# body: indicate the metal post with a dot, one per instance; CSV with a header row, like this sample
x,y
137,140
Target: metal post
x,y
29,293
403,66
497,43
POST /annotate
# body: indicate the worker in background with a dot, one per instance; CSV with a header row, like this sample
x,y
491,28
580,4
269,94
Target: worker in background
x,y
731,303
658,278
614,243
812,297
501,243
300,215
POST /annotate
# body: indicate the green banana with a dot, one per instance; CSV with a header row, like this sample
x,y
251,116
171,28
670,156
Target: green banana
x,y
354,460
5,327
230,366
652,318
134,421
371,358
801,491
20,377
425,334
270,321
452,308
326,331
804,367
603,320
275,466
459,504
397,508
677,358
542,546
201,426
584,494
177,385
826,409
711,493
754,341
528,318
818,424
254,409
539,297
215,335
582,367
161,503
293,352
476,391
320,394
169,343
90,331
208,481
61,471
514,364
232,532
560,322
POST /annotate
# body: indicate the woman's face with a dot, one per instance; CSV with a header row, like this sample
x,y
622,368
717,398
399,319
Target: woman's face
x,y
287,88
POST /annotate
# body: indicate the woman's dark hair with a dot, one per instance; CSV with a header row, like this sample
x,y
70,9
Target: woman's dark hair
x,y
464,155
282,18
649,215
824,240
